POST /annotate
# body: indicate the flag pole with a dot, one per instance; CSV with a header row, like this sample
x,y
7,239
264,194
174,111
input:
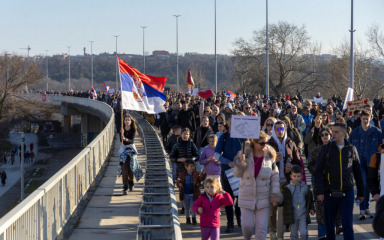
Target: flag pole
x,y
121,102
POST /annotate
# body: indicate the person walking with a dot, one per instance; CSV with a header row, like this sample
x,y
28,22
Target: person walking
x,y
3,176
336,163
259,185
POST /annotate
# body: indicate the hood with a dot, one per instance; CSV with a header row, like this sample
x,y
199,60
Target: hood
x,y
286,118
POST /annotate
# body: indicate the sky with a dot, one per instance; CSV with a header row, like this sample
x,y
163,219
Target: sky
x,y
55,25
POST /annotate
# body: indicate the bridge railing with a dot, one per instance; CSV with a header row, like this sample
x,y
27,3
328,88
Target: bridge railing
x,y
43,214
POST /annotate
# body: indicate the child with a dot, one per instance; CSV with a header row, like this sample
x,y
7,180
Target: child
x,y
298,203
208,206
189,183
172,140
211,165
221,128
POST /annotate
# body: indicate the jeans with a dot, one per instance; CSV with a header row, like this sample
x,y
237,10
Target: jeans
x,y
229,209
364,205
345,204
321,230
299,225
174,171
188,203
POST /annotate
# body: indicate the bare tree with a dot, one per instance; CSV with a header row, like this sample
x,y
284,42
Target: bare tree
x,y
376,40
287,44
15,73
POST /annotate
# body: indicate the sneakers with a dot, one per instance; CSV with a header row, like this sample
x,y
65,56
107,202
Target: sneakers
x,y
188,221
339,230
194,222
368,213
273,236
362,215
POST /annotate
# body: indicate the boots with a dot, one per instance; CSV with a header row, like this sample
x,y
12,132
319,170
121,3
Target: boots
x,y
194,222
130,184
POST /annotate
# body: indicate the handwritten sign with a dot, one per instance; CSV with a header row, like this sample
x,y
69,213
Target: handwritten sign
x,y
245,127
356,105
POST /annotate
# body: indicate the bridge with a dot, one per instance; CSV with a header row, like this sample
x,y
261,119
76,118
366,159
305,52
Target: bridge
x,y
50,209
84,199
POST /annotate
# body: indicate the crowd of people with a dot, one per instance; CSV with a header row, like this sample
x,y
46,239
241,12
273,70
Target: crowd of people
x,y
340,151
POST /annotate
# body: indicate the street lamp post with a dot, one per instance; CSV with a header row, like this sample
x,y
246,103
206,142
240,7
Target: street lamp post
x,y
177,51
351,57
117,64
22,167
69,68
267,55
144,27
215,54
46,66
91,63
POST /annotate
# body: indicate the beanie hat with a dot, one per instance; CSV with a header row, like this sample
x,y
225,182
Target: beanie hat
x,y
228,105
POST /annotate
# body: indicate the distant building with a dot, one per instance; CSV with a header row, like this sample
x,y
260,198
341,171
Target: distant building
x,y
160,53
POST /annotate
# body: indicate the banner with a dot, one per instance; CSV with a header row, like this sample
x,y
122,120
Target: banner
x,y
245,127
348,98
356,105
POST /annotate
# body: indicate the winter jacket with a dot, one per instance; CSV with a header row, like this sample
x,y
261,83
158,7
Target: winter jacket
x,y
373,179
226,151
307,120
335,169
172,140
291,152
172,118
186,119
197,179
298,202
309,138
211,168
211,209
255,193
184,149
366,142
199,138
298,122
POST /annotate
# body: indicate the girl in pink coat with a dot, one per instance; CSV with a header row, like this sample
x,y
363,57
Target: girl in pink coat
x,y
208,206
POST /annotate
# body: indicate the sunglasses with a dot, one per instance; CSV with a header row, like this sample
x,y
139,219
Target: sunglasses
x,y
280,129
262,143
269,125
325,134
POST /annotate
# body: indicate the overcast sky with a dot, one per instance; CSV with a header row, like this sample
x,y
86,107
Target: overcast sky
x,y
54,25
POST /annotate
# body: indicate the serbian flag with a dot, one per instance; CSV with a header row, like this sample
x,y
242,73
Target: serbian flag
x,y
141,92
93,91
106,87
190,78
230,94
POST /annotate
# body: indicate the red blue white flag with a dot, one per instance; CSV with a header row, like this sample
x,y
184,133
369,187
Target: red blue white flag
x,y
141,92
106,88
93,92
230,94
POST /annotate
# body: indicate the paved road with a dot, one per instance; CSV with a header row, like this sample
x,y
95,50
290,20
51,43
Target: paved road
x,y
110,214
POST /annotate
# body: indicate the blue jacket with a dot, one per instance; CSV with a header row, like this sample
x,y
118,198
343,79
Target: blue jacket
x,y
227,154
366,142
307,120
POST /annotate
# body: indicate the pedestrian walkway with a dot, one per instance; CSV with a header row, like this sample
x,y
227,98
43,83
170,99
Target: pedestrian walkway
x,y
110,214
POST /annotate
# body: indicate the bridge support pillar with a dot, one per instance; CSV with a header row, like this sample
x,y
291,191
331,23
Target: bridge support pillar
x,y
67,124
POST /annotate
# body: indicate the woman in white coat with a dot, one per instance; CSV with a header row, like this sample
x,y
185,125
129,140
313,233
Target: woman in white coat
x,y
259,185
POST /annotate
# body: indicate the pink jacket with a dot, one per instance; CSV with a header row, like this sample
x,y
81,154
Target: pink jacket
x,y
211,209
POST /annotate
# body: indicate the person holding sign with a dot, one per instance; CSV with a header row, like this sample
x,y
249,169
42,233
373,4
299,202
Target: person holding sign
x,y
225,152
287,156
259,185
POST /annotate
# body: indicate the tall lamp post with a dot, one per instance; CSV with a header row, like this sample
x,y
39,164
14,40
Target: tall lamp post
x,y
177,51
117,64
91,63
46,66
266,55
144,27
351,57
215,54
69,68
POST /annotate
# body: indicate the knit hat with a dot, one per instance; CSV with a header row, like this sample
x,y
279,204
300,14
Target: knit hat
x,y
228,105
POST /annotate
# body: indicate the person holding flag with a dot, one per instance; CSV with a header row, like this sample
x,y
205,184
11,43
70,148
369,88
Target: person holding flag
x,y
106,88
93,94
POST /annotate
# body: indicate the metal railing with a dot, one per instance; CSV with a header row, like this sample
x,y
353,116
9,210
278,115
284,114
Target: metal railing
x,y
43,214
158,211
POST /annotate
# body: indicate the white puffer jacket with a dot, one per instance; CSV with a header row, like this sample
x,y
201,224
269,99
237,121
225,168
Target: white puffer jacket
x,y
257,193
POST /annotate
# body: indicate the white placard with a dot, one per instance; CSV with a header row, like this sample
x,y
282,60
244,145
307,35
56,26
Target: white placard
x,y
245,127
195,91
318,100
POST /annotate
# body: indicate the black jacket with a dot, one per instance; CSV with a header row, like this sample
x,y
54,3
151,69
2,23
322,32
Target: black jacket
x,y
184,149
186,119
172,140
338,171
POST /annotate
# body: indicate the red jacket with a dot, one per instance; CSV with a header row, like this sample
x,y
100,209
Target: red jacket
x,y
211,210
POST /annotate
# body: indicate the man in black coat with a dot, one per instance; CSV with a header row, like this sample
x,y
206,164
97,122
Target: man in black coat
x,y
186,117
